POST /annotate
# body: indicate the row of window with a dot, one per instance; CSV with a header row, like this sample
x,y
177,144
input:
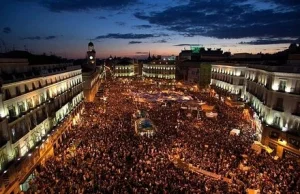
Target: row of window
x,y
22,107
227,79
25,88
164,68
228,71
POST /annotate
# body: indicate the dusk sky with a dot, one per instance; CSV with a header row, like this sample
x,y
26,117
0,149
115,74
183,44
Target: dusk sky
x,y
135,27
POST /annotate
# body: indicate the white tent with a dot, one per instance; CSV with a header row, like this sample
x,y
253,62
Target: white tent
x,y
235,132
211,114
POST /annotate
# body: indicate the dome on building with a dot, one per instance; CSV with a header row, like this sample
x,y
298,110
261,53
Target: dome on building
x,y
91,44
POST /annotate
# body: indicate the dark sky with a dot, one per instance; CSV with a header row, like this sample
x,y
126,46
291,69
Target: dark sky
x,y
135,27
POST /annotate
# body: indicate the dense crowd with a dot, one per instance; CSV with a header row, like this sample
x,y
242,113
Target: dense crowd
x,y
103,154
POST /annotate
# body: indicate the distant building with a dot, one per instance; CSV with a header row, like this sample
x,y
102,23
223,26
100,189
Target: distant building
x,y
159,69
185,55
200,54
91,74
212,55
125,68
246,56
194,72
91,58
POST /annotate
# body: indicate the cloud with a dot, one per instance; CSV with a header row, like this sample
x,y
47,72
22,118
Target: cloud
x,y
82,5
160,41
284,2
186,45
50,37
121,23
142,26
135,42
229,19
6,30
271,41
39,38
100,18
128,36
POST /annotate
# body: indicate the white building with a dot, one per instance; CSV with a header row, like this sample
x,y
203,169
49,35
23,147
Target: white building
x,y
274,94
160,70
34,100
229,77
125,69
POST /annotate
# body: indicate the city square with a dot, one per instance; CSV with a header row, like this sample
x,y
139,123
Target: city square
x,y
186,154
150,97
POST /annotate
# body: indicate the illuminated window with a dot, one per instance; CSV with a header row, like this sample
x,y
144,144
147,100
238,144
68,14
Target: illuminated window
x,y
282,85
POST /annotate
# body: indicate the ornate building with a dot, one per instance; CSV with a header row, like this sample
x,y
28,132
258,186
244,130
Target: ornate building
x,y
229,79
91,75
159,70
38,105
91,57
273,92
124,69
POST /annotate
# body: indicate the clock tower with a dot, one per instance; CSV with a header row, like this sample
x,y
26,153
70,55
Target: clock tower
x,y
91,57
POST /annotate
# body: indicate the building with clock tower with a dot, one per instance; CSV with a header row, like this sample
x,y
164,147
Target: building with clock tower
x,y
90,74
91,57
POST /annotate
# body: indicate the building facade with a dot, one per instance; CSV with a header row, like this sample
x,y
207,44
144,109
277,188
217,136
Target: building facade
x,y
91,75
194,73
229,79
124,69
34,102
159,70
273,93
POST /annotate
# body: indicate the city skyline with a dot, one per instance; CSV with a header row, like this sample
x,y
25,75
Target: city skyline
x,y
133,28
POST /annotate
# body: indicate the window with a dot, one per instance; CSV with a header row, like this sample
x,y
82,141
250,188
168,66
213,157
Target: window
x,y
298,108
279,104
297,87
295,143
12,111
26,88
43,99
282,85
36,100
33,86
13,131
277,121
18,91
29,103
7,94
21,106
241,82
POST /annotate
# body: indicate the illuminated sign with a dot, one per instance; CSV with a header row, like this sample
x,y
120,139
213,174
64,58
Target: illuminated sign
x,y
196,48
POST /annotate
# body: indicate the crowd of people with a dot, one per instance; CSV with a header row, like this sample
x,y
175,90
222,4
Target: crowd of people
x,y
103,154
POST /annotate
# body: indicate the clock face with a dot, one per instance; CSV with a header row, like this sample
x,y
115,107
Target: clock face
x,y
91,57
